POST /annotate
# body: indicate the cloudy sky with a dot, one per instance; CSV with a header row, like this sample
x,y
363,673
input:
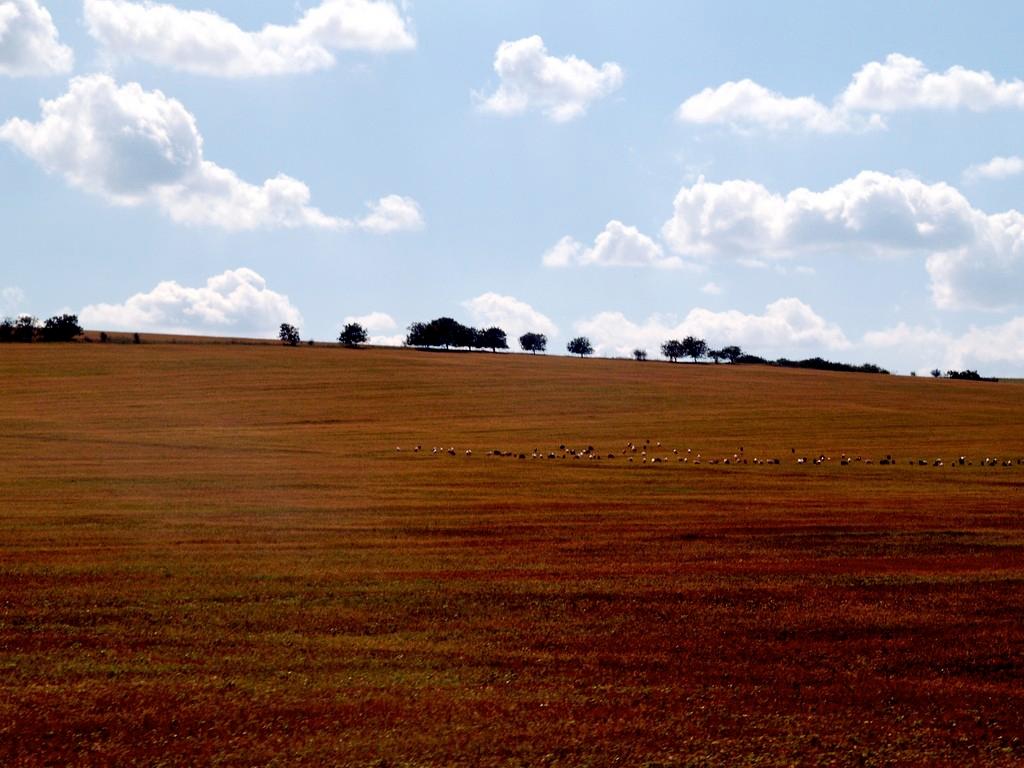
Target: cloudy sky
x,y
801,179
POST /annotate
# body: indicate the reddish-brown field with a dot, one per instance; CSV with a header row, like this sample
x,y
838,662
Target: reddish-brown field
x,y
214,555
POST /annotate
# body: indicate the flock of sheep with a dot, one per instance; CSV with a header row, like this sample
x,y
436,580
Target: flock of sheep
x,y
646,453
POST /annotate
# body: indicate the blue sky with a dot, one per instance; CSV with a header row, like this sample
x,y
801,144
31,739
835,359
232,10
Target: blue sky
x,y
801,179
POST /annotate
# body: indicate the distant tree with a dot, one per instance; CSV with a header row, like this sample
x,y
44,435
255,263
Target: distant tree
x,y
913,373
717,355
492,339
672,349
417,335
731,353
580,346
936,373
695,348
441,332
289,335
136,339
533,342
6,331
640,355
104,338
353,335
25,329
61,328
966,375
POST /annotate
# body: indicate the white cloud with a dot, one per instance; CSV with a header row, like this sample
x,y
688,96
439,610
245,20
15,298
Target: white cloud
x,y
12,300
236,302
134,147
921,349
513,316
378,326
996,168
787,326
618,245
393,213
898,84
745,104
973,258
563,253
204,43
711,289
374,322
29,43
902,83
562,89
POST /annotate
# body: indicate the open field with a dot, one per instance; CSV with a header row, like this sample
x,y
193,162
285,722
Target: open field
x,y
215,555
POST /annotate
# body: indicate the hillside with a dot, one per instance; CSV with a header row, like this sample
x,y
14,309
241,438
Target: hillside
x,y
215,552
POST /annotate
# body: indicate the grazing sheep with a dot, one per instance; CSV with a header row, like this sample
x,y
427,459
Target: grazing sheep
x,y
469,452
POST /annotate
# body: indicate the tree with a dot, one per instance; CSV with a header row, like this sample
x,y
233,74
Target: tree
x,y
640,355
353,335
533,342
25,329
289,335
672,349
492,339
6,331
717,355
417,335
695,348
442,332
61,328
731,353
580,346
936,373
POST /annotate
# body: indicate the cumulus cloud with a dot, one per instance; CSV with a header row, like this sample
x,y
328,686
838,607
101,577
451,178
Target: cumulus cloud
x,y
897,84
236,302
618,245
134,147
202,42
561,88
901,83
393,213
380,327
745,104
513,316
996,168
973,258
921,349
29,42
787,326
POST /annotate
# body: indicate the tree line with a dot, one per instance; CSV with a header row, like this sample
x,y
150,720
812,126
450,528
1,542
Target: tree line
x,y
27,329
447,333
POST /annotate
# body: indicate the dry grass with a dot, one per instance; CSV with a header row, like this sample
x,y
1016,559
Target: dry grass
x,y
214,555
